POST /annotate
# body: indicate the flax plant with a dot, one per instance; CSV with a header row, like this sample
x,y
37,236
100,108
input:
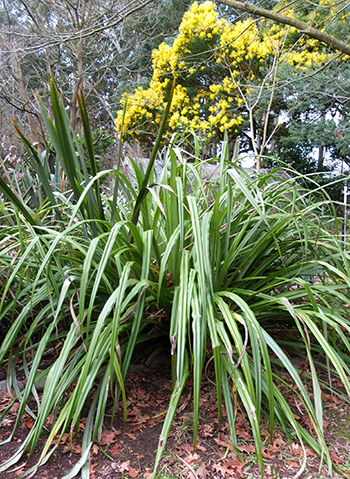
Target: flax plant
x,y
250,272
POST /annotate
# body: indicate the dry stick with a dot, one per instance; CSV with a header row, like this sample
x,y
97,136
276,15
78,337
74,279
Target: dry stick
x,y
303,465
187,465
6,172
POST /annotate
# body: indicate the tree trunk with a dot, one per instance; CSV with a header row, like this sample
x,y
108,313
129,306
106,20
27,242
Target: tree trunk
x,y
320,159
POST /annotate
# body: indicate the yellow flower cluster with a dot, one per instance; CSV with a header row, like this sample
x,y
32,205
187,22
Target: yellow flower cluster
x,y
207,59
143,107
303,60
201,19
161,61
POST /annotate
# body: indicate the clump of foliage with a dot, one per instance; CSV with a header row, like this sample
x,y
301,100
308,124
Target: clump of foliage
x,y
230,263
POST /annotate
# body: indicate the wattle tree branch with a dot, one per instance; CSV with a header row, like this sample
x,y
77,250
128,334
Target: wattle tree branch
x,y
294,22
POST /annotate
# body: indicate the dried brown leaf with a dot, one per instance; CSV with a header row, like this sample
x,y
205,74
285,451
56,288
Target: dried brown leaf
x,y
124,466
109,437
115,450
192,458
202,472
133,472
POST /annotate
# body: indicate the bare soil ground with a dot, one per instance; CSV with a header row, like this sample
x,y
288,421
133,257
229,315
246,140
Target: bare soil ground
x,y
128,450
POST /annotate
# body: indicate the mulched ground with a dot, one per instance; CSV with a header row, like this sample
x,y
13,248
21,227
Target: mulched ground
x,y
128,450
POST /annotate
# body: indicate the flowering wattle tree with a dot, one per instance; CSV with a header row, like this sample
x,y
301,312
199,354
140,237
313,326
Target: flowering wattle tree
x,y
216,65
